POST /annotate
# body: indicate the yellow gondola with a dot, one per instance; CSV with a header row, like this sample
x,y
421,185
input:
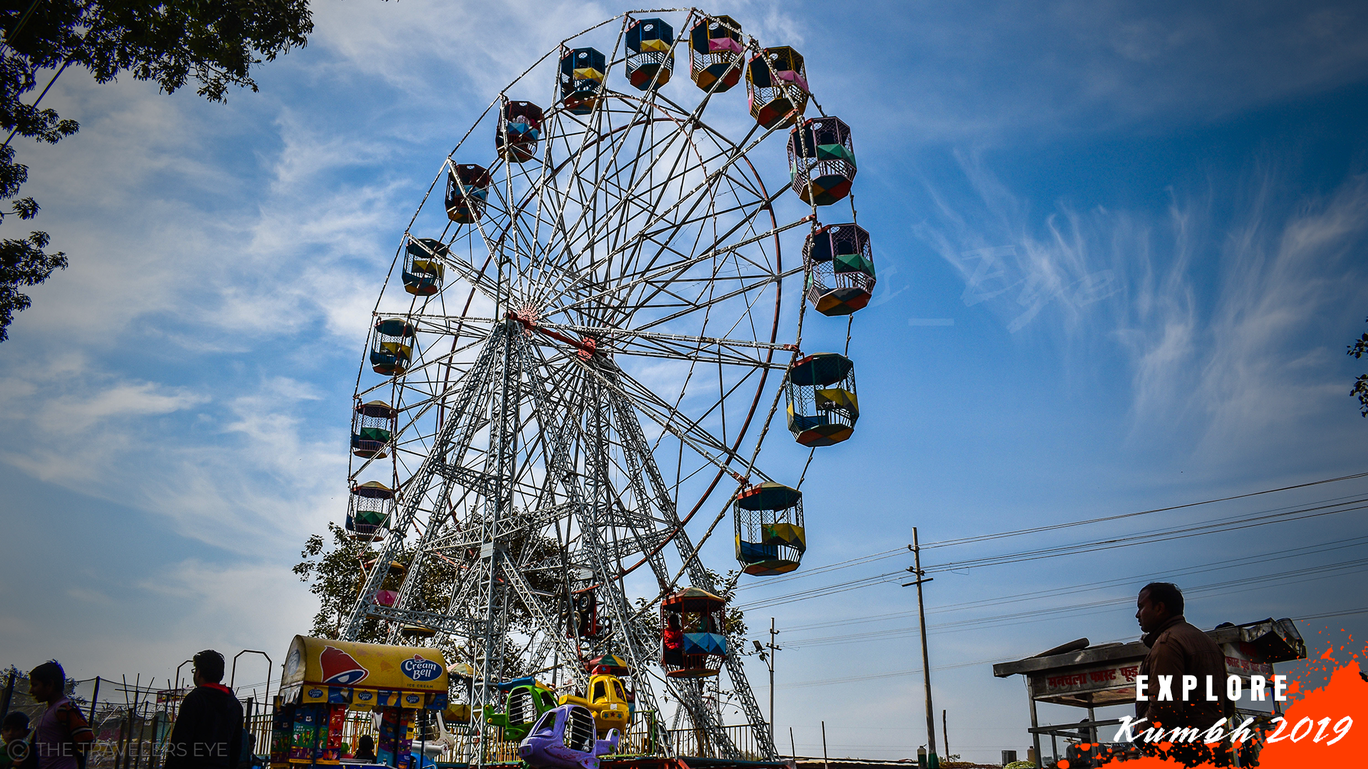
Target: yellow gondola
x,y
392,346
650,53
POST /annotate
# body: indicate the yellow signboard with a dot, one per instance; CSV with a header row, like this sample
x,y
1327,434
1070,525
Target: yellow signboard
x,y
364,675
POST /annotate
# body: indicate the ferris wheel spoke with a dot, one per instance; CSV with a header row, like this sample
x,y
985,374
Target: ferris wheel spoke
x,y
673,271
672,420
623,200
715,249
680,346
717,300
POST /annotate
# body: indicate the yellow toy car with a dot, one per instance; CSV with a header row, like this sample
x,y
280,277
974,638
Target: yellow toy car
x,y
607,701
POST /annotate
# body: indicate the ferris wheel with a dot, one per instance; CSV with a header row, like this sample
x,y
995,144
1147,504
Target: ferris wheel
x,y
580,348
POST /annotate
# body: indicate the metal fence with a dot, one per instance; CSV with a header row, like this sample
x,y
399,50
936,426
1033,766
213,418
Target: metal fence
x,y
132,724
132,721
701,744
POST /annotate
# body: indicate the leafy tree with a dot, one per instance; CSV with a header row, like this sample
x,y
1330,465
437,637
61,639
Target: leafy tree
x,y
336,576
1359,349
170,42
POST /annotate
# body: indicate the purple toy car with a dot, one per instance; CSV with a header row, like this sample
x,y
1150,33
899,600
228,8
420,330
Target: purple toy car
x,y
564,739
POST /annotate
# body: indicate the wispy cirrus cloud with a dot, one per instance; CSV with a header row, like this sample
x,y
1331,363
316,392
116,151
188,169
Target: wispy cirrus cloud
x,y
1286,277
1227,331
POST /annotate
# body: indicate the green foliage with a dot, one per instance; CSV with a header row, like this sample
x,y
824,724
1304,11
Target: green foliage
x,y
337,579
213,42
734,622
1358,349
334,571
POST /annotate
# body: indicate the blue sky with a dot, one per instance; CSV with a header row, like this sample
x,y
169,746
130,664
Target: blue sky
x,y
1120,252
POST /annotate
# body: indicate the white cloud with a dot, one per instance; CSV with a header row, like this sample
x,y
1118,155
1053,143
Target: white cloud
x,y
1282,278
1252,354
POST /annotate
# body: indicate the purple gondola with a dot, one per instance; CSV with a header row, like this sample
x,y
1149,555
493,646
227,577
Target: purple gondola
x,y
564,739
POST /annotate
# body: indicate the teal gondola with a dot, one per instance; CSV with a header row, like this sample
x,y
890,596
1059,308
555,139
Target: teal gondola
x,y
821,160
839,262
372,427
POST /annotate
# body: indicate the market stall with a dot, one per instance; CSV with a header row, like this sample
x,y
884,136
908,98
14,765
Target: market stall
x,y
1079,675
324,679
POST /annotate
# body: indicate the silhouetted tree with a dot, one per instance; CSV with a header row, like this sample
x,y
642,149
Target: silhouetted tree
x,y
1358,349
170,42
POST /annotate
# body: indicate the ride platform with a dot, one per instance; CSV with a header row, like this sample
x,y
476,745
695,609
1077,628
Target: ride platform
x,y
651,762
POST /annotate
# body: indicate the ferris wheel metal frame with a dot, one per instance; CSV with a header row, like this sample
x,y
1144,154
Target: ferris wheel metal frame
x,y
588,356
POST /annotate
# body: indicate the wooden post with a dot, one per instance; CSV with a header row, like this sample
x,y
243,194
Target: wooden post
x,y
932,762
945,735
9,692
825,765
94,697
1035,723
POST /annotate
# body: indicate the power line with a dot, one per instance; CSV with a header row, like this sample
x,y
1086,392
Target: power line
x,y
836,566
1231,523
1318,549
885,554
917,671
1104,519
1092,607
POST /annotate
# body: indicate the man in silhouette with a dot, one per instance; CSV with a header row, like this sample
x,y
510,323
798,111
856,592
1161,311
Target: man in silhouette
x,y
208,730
1178,649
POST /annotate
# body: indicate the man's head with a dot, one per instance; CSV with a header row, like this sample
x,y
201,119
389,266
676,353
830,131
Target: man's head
x,y
208,667
15,726
1157,603
47,681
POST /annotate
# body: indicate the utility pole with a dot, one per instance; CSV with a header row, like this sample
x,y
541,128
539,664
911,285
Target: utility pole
x,y
945,734
932,761
769,659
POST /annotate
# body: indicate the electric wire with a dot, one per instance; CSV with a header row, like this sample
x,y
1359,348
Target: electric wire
x,y
917,671
1092,607
894,552
1232,523
1104,519
1316,549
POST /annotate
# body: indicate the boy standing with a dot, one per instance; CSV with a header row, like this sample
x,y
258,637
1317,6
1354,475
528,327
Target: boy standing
x,y
62,733
14,730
